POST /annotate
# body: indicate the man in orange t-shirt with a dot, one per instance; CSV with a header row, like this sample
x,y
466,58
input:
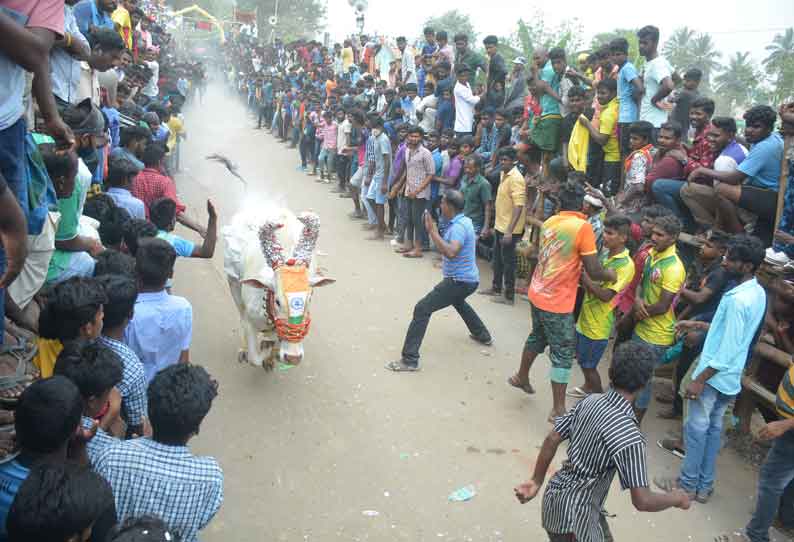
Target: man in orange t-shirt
x,y
567,242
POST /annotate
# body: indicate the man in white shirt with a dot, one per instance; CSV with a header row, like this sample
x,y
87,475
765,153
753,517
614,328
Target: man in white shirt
x,y
408,67
657,78
152,88
465,100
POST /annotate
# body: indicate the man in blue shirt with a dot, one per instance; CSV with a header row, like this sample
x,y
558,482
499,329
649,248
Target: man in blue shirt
x,y
630,89
121,171
717,378
461,278
749,192
94,13
46,420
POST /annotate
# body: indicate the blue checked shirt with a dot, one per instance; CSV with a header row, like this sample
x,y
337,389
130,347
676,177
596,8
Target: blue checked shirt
x,y
99,442
133,382
150,478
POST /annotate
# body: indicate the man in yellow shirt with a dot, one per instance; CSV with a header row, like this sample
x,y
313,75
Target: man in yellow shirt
x,y
605,173
176,131
510,216
123,20
597,316
662,278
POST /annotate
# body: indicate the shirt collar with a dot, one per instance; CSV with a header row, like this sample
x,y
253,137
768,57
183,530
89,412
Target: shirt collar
x,y
577,214
117,190
669,251
457,218
622,254
617,400
148,297
746,285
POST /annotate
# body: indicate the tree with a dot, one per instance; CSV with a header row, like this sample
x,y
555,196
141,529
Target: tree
x,y
453,22
630,35
780,64
738,84
533,33
677,49
296,18
704,56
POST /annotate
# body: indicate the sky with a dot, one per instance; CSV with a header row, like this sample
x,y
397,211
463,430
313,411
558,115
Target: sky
x,y
732,26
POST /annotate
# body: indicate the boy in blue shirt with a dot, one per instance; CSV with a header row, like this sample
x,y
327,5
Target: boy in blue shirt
x,y
630,89
162,213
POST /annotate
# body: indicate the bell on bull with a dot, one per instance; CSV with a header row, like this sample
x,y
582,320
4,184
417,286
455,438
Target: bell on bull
x,y
272,272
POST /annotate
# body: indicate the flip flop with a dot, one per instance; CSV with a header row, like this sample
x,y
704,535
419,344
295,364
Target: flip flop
x,y
412,255
668,445
577,393
401,367
526,387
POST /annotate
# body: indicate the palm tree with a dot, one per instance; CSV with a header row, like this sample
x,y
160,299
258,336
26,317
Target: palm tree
x,y
704,56
738,82
780,63
677,48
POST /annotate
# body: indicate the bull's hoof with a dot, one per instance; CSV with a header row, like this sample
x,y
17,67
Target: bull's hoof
x,y
269,365
242,356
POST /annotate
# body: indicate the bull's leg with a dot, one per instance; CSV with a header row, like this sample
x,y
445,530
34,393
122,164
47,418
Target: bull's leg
x,y
255,354
235,289
270,344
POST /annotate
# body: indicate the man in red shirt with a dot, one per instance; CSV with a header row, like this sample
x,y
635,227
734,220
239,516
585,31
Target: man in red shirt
x,y
150,185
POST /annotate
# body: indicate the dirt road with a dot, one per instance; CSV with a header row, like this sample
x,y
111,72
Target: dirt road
x,y
338,449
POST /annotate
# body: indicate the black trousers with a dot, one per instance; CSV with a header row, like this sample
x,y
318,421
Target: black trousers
x,y
447,292
504,264
342,166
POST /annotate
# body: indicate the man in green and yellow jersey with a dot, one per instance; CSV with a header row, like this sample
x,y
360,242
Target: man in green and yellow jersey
x,y
597,316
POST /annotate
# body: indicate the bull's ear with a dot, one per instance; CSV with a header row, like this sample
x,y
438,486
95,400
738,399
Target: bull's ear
x,y
317,281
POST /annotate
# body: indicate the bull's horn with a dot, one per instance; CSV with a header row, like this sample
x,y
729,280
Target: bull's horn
x,y
308,237
271,248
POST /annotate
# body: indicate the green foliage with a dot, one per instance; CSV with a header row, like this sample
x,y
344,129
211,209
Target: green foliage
x,y
296,18
453,22
779,64
737,87
687,49
630,35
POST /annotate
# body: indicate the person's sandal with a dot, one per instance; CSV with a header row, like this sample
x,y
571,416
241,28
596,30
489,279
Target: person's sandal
x,y
400,366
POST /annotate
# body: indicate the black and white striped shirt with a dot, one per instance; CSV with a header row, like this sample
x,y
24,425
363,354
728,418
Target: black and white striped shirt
x,y
604,437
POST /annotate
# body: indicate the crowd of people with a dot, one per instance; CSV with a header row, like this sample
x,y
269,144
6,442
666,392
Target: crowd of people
x,y
99,399
602,174
646,219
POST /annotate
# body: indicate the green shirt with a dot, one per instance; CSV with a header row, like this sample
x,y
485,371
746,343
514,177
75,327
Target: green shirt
x,y
71,209
597,317
476,193
472,60
548,105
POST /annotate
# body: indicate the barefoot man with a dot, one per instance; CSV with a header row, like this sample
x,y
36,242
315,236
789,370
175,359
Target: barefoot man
x,y
567,242
604,438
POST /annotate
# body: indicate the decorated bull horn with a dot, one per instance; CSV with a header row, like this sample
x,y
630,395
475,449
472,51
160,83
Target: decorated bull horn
x,y
271,248
308,237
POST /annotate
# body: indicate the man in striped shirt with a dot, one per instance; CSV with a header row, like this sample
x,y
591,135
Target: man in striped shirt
x,y
604,438
461,278
777,472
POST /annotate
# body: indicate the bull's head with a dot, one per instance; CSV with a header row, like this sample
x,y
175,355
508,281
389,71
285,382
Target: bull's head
x,y
289,297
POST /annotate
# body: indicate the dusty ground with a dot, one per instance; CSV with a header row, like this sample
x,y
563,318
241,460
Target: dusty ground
x,y
338,449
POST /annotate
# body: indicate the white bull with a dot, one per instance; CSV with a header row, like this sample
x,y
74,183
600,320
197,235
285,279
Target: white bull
x,y
271,269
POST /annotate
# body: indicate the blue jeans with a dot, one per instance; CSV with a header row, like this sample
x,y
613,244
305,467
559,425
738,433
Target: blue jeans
x,y
667,192
776,473
644,397
702,436
14,167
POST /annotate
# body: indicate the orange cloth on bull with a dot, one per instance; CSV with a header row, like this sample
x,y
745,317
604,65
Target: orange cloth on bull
x,y
295,288
46,356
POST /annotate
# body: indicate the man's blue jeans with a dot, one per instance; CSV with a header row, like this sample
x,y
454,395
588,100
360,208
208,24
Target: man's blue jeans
x,y
14,167
702,437
776,473
667,192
